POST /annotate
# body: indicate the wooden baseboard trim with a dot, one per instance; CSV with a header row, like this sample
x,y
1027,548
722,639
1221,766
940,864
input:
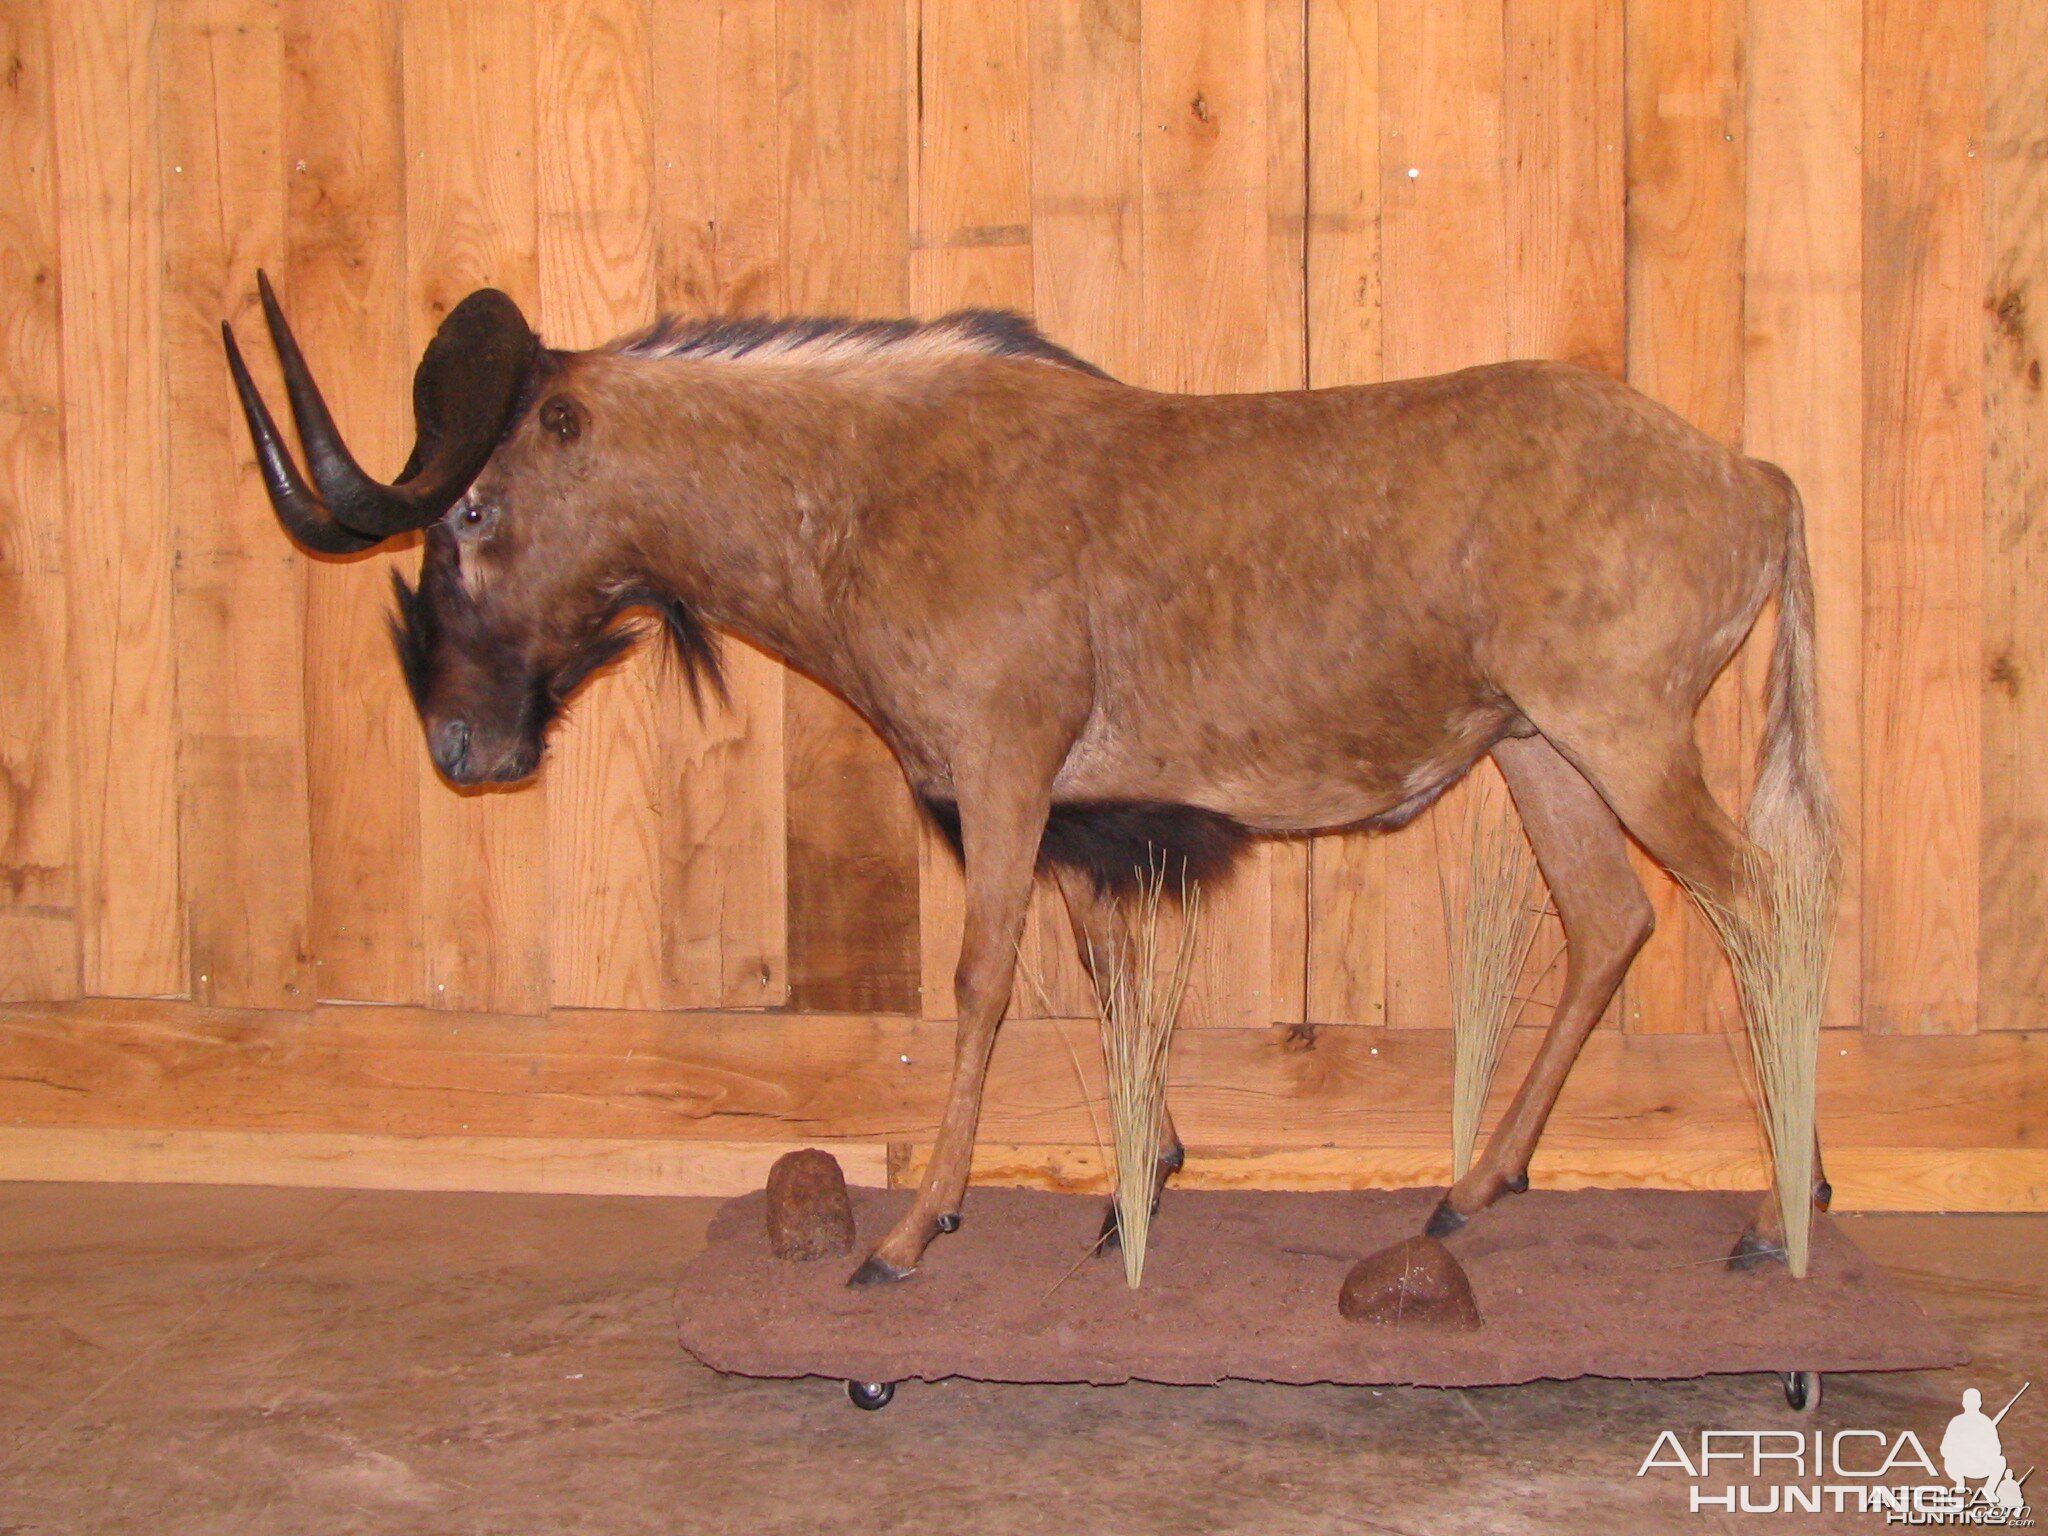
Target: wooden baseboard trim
x,y
1865,1178
506,1164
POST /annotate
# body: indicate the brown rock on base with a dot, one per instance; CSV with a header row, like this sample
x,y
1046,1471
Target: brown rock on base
x,y
1417,1281
809,1215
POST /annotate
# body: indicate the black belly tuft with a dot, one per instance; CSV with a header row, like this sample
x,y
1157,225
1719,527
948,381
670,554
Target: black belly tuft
x,y
1114,842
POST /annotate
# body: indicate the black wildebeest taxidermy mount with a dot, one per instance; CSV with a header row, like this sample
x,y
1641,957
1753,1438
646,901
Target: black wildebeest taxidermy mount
x,y
1098,624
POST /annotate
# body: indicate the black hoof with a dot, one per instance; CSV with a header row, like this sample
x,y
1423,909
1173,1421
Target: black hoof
x,y
1518,1185
1443,1221
1171,1163
950,1222
878,1271
1823,1195
1751,1251
870,1395
1802,1390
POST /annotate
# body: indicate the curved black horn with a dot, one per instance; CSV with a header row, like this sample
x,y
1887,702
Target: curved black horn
x,y
301,512
466,390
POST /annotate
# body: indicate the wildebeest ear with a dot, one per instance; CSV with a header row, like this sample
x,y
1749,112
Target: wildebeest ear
x,y
562,418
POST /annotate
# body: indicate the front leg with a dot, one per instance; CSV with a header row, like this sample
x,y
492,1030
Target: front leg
x,y
1000,829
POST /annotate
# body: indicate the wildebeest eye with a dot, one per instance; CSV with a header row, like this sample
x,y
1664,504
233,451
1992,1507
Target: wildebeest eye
x,y
563,417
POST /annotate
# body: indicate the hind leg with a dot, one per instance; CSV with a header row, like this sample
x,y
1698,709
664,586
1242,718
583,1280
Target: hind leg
x,y
1104,942
1584,858
1764,1238
1657,788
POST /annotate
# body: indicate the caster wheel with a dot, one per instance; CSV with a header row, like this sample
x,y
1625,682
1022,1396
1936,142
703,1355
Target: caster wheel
x,y
870,1396
1802,1390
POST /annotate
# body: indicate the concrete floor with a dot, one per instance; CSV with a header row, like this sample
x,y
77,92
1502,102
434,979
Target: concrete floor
x,y
179,1360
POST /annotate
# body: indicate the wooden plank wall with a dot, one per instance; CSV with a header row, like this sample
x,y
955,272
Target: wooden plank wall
x,y
1814,228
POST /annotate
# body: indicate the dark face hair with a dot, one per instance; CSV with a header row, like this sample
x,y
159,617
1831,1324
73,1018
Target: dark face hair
x,y
523,596
523,593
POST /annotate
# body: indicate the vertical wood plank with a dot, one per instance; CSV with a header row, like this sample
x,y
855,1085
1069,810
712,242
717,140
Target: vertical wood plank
x,y
2014,903
1564,126
1563,110
1803,361
38,873
1347,950
471,222
970,246
1207,312
970,181
1685,275
247,863
597,278
1087,238
1087,180
1923,113
719,230
1204,149
1286,70
1443,234
853,891
345,166
1343,251
118,546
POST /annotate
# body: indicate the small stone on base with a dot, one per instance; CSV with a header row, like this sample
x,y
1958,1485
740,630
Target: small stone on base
x,y
1417,1281
809,1215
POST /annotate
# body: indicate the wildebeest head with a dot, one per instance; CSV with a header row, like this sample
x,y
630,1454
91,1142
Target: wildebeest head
x,y
525,584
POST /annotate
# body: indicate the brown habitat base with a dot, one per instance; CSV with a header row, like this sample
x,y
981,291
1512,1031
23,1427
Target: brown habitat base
x,y
1243,1284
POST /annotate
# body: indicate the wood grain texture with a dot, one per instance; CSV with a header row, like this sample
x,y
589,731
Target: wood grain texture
x,y
1923,112
38,870
240,624
344,278
1442,233
1087,218
510,1164
1346,897
853,875
471,221
724,901
2014,901
1286,117
970,246
1863,1178
1564,124
1208,168
766,1077
1686,222
597,278
1565,130
1803,366
123,667
1087,180
1814,229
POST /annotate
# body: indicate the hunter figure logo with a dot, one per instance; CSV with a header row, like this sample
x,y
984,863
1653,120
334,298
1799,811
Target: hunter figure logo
x,y
1855,1471
1971,1452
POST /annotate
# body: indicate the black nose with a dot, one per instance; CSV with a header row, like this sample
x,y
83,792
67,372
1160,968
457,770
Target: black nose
x,y
449,743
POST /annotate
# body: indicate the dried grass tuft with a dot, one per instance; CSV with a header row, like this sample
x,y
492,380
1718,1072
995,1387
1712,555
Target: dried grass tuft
x,y
1780,957
1489,928
1138,1000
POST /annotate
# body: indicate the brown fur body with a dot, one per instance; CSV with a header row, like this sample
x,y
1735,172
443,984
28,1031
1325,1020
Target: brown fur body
x,y
1300,611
